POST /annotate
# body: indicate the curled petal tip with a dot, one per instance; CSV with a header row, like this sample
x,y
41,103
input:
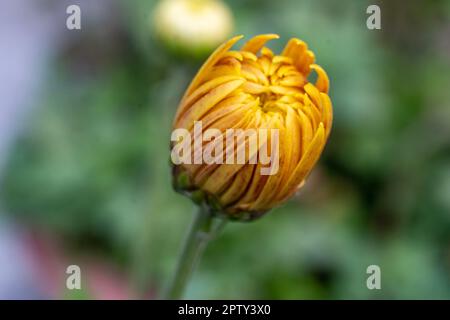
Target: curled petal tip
x,y
236,38
257,42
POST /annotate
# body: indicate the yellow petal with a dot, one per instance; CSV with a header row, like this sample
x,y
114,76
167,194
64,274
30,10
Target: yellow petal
x,y
327,113
256,43
201,91
272,184
306,131
213,58
306,163
322,82
314,94
239,185
205,170
207,102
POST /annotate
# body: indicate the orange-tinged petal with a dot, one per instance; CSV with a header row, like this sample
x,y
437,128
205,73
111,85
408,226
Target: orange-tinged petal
x,y
322,82
202,90
213,58
256,43
207,102
239,185
305,165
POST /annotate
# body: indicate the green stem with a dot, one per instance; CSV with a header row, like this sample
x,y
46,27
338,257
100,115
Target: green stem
x,y
202,230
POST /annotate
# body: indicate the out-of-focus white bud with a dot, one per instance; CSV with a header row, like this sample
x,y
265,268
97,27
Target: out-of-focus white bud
x,y
193,27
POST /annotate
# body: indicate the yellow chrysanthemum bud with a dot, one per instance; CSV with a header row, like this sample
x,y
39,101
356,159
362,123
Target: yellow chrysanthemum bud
x,y
194,27
251,89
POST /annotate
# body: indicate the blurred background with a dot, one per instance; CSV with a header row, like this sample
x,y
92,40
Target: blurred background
x,y
85,120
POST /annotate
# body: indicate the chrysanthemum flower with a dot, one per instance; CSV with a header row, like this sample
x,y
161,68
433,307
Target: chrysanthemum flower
x,y
253,88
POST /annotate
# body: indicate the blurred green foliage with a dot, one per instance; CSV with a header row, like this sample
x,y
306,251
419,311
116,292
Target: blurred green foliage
x,y
92,164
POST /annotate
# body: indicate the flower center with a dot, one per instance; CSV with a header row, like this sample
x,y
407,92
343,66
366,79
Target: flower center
x,y
273,80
